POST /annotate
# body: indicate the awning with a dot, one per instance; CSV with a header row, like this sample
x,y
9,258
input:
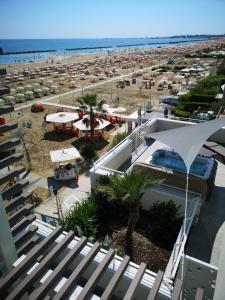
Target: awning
x,y
64,155
187,141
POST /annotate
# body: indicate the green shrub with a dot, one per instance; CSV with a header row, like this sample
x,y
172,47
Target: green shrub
x,y
118,138
191,106
88,151
221,68
166,216
82,218
181,113
216,105
165,210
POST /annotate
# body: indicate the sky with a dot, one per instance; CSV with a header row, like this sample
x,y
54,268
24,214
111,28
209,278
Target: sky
x,y
109,18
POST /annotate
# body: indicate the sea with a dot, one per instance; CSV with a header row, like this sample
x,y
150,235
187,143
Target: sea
x,y
64,47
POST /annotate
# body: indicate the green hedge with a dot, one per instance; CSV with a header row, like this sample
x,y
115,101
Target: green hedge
x,y
190,106
181,113
197,98
221,68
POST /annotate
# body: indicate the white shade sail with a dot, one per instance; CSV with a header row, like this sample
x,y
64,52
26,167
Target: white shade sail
x,y
83,127
187,141
64,154
62,117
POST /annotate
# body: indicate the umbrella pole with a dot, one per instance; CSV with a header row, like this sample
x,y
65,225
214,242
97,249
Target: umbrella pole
x,y
185,222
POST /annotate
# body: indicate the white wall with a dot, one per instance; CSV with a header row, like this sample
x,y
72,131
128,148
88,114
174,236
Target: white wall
x,y
198,274
159,195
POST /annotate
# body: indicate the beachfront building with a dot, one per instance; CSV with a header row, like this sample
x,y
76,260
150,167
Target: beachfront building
x,y
154,147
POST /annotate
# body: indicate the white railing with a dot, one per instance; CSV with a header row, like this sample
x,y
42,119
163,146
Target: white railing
x,y
111,171
178,247
137,137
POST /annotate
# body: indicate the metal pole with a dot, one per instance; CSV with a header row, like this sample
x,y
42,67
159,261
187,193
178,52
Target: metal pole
x,y
185,223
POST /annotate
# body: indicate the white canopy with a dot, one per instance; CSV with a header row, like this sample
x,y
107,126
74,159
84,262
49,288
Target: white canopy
x,y
83,127
62,117
64,154
119,110
187,141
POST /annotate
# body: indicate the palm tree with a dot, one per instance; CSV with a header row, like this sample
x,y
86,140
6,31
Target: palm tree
x,y
129,188
89,102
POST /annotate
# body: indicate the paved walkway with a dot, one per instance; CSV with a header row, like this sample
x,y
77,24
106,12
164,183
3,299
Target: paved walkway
x,y
35,180
202,236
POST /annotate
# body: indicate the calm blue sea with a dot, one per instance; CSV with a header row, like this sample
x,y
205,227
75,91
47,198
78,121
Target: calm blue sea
x,y
19,45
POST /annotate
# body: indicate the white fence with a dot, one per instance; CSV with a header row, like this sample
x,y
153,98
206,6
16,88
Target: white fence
x,y
178,247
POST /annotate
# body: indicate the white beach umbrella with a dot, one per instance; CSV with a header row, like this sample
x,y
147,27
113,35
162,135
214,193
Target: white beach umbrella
x,y
120,110
46,91
63,155
20,96
62,117
12,91
9,98
19,89
83,127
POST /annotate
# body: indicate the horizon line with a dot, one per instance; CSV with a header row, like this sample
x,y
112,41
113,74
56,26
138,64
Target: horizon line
x,y
101,38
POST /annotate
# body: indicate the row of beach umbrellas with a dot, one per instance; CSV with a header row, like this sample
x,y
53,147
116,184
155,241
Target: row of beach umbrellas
x,y
67,117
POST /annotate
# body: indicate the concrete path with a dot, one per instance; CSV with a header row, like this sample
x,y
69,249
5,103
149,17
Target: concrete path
x,y
202,236
35,180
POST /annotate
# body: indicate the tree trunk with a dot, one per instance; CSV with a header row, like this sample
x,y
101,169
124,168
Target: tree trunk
x,y
92,125
133,219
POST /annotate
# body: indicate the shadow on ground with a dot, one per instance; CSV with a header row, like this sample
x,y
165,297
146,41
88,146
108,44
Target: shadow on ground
x,y
57,137
57,185
99,144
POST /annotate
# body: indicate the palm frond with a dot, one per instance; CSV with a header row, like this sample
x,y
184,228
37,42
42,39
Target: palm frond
x,y
130,187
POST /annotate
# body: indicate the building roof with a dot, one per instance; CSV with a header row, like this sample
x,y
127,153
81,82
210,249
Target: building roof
x,y
62,266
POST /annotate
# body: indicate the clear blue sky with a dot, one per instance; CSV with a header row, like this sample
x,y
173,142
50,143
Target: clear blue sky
x,y
109,18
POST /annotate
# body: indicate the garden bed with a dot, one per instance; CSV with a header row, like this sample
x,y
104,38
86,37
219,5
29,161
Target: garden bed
x,y
153,238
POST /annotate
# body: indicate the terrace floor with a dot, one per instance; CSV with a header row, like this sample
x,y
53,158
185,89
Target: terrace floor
x,y
202,236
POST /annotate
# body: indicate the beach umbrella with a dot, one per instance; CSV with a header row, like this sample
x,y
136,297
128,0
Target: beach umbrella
x,y
72,84
29,95
120,110
38,93
49,83
63,155
28,87
20,89
61,80
12,91
54,89
46,91
62,117
9,98
36,85
100,124
41,80
20,97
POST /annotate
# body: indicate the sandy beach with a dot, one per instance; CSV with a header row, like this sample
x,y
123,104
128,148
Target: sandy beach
x,y
83,71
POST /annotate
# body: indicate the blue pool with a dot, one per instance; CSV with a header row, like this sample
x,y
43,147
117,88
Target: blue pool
x,y
201,166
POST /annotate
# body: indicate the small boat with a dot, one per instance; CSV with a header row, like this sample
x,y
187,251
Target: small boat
x,y
67,169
